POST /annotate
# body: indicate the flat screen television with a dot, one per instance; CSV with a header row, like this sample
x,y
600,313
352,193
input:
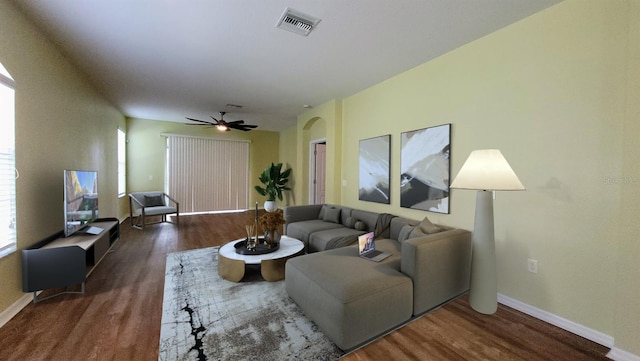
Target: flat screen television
x,y
80,201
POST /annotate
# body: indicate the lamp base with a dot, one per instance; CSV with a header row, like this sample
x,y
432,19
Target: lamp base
x,y
483,290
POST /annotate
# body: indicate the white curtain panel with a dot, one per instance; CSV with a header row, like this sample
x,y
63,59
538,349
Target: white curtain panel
x,y
206,174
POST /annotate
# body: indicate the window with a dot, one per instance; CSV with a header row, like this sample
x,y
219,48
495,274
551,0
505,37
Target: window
x,y
8,170
122,163
205,174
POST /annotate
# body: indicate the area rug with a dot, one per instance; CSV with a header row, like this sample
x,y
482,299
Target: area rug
x,y
205,317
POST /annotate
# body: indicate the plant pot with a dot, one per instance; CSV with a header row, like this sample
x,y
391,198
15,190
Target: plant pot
x,y
270,206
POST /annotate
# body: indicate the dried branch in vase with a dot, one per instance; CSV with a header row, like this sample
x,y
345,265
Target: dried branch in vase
x,y
271,220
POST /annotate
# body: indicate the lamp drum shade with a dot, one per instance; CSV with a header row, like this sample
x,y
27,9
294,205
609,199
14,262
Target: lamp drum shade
x,y
487,169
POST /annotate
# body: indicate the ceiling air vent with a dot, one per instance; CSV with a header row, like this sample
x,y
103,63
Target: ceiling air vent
x,y
297,22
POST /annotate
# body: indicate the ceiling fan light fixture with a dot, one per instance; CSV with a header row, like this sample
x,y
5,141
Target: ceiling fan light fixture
x,y
297,22
223,126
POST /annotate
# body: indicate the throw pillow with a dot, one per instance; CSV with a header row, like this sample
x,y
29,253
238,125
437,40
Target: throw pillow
x,y
332,215
153,201
428,227
322,211
360,226
405,231
416,232
350,222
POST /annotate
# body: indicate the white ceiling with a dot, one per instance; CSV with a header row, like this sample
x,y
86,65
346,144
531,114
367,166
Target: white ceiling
x,y
170,59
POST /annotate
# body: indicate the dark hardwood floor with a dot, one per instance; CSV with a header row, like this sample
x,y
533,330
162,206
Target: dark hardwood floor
x,y
119,316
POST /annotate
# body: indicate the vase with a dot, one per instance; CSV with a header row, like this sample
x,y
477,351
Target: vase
x,y
270,206
272,237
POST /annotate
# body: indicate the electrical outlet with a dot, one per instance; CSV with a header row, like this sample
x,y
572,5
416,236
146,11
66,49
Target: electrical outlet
x,y
532,265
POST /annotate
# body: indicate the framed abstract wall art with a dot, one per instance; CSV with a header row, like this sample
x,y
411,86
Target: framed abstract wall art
x,y
425,169
374,172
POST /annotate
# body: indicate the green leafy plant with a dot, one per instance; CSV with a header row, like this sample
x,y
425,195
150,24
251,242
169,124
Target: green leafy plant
x,y
274,181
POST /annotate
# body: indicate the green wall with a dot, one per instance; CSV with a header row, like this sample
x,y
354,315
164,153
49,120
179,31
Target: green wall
x,y
146,152
557,93
626,298
61,123
324,119
288,159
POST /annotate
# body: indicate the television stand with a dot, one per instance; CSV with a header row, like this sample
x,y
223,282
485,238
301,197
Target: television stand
x,y
58,261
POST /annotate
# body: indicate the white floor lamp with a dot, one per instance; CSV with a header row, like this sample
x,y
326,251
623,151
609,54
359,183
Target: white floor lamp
x,y
486,171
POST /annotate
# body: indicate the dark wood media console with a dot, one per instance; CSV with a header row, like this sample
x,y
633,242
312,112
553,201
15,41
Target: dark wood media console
x,y
59,261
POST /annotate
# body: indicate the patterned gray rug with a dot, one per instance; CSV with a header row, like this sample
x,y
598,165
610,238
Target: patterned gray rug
x,y
207,318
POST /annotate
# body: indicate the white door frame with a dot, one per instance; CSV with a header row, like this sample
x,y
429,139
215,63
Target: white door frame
x,y
312,168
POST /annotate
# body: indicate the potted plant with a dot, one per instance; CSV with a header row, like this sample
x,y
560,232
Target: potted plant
x,y
274,181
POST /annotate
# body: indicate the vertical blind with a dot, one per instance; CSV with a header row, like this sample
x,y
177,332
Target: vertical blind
x,y
206,174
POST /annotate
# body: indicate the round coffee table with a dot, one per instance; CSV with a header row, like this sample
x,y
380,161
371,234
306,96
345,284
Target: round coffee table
x,y
231,265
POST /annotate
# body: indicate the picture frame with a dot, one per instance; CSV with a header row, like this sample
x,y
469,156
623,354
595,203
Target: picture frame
x,y
425,169
374,169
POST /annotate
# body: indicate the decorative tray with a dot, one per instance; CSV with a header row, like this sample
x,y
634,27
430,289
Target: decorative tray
x,y
261,248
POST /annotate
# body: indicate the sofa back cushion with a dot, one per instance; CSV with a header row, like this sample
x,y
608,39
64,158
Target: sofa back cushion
x,y
405,232
141,197
331,215
396,226
366,217
345,212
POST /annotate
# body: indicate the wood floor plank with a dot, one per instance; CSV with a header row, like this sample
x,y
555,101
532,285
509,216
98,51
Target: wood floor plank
x,y
119,316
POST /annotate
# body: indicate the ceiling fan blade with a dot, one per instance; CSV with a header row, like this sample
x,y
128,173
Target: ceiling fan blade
x,y
199,121
245,128
222,125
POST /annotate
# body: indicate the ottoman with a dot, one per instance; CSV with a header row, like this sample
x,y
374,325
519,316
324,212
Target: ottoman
x,y
351,299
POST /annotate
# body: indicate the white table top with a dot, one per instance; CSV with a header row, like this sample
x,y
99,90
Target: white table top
x,y
288,247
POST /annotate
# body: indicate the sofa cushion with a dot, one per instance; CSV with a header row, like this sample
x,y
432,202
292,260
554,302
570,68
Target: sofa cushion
x,y
416,232
318,241
322,210
405,232
303,229
349,297
293,214
159,210
428,227
154,201
351,222
360,226
368,218
396,226
331,215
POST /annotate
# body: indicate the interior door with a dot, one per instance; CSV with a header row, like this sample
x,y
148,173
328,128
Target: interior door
x,y
320,173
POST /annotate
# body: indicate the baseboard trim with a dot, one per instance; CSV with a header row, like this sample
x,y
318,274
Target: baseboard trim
x,y
15,308
563,323
622,355
576,328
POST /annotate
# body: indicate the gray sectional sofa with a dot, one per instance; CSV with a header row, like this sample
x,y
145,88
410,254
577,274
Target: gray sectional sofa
x,y
322,227
353,299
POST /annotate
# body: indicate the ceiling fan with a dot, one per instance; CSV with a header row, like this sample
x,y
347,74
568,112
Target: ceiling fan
x,y
223,126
